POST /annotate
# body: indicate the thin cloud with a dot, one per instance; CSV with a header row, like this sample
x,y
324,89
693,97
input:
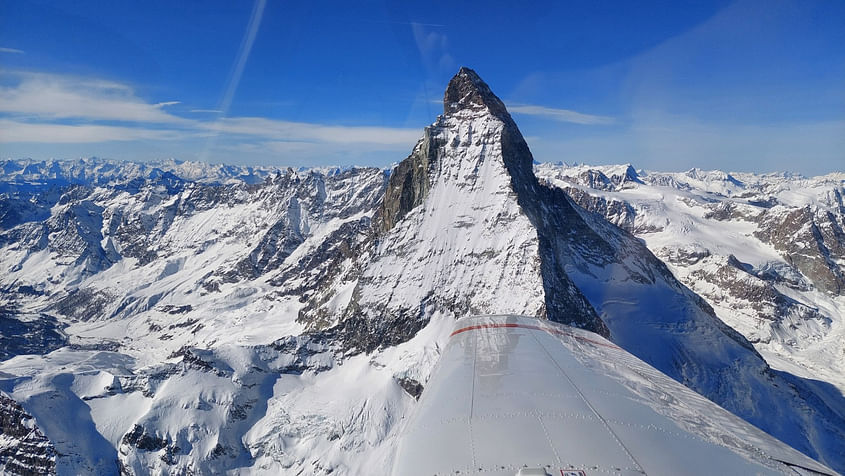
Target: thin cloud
x,y
14,132
212,111
45,96
11,50
562,115
434,49
308,132
669,142
44,108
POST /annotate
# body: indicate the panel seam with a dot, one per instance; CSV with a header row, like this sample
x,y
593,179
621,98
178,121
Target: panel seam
x,y
590,406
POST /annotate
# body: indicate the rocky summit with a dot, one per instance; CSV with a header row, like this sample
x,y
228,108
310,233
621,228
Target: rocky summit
x,y
190,319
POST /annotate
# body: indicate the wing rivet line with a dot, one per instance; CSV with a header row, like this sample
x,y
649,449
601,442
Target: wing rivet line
x,y
589,405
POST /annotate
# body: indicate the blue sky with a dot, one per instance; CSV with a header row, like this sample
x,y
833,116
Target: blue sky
x,y
742,85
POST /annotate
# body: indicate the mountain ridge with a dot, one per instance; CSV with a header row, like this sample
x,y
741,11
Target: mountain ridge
x,y
252,306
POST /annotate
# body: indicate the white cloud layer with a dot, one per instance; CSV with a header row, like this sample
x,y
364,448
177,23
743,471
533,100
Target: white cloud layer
x,y
47,97
562,115
11,50
13,131
43,108
306,132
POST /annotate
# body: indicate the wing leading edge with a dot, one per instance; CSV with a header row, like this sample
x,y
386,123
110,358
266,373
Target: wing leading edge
x,y
519,395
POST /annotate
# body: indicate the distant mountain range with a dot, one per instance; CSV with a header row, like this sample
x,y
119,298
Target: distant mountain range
x,y
192,318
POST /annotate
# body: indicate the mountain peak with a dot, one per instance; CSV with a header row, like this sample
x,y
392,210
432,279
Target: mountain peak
x,y
467,90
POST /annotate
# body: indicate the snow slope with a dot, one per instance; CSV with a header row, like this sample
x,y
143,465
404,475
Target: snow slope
x,y
706,227
195,325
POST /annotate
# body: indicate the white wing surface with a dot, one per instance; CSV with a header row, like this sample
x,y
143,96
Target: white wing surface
x,y
519,395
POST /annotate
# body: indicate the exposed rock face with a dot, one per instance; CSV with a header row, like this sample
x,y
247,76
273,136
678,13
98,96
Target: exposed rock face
x,y
411,386
812,242
617,212
305,202
771,314
33,334
23,332
409,183
24,450
468,92
139,439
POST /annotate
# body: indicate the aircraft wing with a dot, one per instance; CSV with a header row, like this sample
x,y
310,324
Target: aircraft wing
x,y
519,395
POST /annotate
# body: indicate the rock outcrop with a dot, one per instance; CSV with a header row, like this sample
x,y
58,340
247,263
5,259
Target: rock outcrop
x,y
24,450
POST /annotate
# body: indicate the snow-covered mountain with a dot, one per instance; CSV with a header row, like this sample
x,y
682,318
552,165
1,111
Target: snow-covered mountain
x,y
93,171
766,251
193,320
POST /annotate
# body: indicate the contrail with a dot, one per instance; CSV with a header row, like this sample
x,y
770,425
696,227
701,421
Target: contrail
x,y
237,70
243,55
